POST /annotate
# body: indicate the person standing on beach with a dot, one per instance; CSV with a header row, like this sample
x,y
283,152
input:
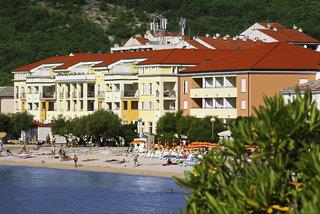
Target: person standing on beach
x,y
135,160
1,148
48,139
53,140
75,159
61,153
53,151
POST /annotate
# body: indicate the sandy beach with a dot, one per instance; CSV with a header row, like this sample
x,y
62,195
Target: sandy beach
x,y
99,159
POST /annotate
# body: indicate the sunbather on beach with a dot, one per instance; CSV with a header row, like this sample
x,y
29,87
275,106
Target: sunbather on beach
x,y
23,150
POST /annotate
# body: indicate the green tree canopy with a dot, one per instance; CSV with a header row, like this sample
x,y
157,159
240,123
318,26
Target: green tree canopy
x,y
5,122
20,121
168,123
101,127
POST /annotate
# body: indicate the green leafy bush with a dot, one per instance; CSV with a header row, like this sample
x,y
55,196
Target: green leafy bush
x,y
282,177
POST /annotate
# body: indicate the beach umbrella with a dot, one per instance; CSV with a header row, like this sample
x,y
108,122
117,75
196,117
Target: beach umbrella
x,y
3,134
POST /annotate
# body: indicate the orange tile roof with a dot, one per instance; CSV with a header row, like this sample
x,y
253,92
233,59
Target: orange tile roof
x,y
50,60
142,40
184,56
154,56
288,35
270,56
229,44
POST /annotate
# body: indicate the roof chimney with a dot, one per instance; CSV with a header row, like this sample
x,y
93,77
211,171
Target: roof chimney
x,y
294,27
228,36
269,25
275,29
207,35
300,29
217,35
214,37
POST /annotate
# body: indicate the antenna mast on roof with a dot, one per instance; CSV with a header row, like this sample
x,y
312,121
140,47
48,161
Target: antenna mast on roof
x,y
182,26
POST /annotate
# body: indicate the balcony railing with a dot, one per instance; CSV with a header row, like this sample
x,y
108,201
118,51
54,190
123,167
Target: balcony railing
x,y
129,93
74,95
169,93
23,95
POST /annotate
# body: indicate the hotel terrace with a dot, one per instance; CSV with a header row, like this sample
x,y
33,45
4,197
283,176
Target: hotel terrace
x,y
213,76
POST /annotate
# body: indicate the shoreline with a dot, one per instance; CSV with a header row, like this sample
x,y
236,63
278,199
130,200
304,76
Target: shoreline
x,y
106,169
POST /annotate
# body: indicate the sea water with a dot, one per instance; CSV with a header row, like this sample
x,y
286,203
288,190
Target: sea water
x,y
41,190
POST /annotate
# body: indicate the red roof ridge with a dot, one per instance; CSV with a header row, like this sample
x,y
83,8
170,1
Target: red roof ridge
x,y
276,45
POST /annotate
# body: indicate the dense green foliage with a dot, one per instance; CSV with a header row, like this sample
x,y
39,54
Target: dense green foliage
x,y
100,128
283,176
233,16
172,126
129,133
14,123
33,30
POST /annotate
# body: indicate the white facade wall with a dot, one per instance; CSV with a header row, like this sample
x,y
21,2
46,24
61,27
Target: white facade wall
x,y
6,105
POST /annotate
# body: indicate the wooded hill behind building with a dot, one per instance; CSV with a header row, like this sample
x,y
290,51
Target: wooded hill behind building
x,y
36,29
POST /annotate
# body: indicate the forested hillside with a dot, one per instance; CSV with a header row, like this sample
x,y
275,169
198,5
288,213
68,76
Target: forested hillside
x,y
232,16
34,29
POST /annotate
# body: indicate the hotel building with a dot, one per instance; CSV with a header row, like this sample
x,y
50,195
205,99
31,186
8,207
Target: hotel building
x,y
220,77
234,84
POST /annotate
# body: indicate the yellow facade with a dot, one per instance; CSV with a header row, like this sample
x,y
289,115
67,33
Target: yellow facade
x,y
158,88
129,112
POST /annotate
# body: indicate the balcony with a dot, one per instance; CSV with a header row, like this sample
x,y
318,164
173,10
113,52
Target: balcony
x,y
91,94
213,92
219,112
169,93
169,105
101,94
48,95
76,78
129,94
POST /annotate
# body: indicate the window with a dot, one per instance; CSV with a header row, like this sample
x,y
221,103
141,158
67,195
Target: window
x,y
303,81
150,127
208,103
185,87
146,89
134,105
243,85
185,104
125,105
243,104
142,105
208,82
